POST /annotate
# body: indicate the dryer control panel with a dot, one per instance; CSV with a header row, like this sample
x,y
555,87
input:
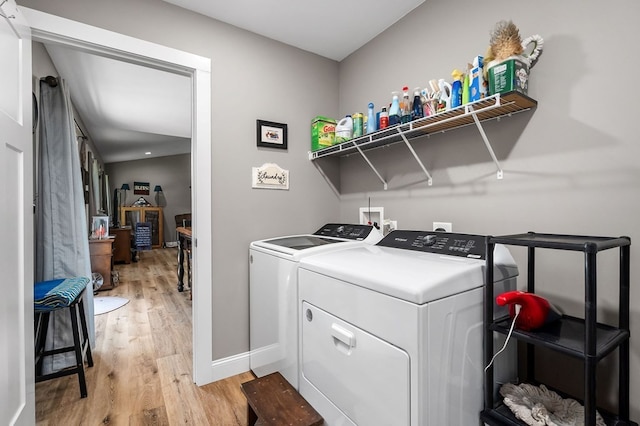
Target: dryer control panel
x,y
446,243
346,231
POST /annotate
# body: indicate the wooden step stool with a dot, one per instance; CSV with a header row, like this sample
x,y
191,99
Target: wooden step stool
x,y
271,400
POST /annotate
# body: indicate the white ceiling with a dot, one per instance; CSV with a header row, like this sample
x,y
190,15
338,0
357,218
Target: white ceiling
x,y
330,28
129,109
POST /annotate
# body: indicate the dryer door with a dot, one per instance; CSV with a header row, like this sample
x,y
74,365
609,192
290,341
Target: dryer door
x,y
364,376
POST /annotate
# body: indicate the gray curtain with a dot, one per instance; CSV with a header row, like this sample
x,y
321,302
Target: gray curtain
x,y
62,240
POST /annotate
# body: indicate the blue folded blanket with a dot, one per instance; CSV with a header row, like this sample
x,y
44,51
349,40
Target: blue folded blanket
x,y
55,294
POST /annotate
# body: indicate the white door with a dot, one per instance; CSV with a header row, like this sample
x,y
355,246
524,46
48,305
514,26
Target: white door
x,y
17,405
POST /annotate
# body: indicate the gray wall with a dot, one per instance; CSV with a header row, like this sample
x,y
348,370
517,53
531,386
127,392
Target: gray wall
x,y
173,173
252,78
571,166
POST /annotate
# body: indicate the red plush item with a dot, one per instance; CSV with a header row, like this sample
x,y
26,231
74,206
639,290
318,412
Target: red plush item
x,y
535,311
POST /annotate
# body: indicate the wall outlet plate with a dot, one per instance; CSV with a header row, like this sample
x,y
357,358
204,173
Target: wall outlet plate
x,y
446,226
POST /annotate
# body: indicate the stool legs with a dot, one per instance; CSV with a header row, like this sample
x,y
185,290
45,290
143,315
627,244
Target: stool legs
x,y
81,346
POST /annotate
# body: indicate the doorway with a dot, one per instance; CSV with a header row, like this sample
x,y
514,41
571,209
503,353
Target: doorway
x,y
50,29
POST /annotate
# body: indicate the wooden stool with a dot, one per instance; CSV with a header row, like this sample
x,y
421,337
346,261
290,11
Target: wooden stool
x,y
54,295
271,400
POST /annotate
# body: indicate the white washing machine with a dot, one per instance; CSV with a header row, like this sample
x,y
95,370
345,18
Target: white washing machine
x,y
391,334
273,292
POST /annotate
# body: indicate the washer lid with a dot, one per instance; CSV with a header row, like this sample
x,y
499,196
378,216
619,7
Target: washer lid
x,y
414,276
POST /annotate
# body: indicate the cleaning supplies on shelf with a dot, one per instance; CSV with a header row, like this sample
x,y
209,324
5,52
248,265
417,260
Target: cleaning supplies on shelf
x,y
394,110
477,85
405,113
465,86
371,119
426,96
456,88
417,111
444,103
323,132
344,129
358,124
384,118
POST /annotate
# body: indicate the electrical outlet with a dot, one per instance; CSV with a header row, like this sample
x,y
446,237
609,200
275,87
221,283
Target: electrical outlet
x,y
443,226
389,225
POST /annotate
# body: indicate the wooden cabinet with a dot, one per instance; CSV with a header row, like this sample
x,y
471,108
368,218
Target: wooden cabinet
x,y
121,244
129,216
101,260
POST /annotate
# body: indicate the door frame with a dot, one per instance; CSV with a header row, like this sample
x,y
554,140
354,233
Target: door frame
x,y
51,29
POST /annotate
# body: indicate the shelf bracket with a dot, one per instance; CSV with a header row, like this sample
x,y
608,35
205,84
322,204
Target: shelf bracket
x,y
384,183
486,141
424,169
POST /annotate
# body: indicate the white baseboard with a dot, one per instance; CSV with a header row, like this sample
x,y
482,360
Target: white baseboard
x,y
230,366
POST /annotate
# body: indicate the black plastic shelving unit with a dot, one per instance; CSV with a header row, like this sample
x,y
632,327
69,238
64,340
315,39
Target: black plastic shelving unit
x,y
585,339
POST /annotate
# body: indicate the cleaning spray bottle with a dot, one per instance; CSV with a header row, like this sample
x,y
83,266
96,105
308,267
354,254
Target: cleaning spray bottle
x,y
444,103
417,111
394,110
405,114
456,88
465,86
371,119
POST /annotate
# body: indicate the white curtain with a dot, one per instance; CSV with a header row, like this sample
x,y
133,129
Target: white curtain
x,y
62,239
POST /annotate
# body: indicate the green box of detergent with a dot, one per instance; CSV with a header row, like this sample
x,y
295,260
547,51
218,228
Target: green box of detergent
x,y
323,132
512,74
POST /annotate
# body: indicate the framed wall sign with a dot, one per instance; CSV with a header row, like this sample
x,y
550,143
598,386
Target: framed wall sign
x,y
141,188
271,135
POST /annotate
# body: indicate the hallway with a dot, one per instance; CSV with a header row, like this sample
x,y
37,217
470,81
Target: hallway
x,y
142,373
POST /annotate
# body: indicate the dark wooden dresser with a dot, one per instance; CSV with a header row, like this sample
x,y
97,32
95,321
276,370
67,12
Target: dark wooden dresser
x,y
121,244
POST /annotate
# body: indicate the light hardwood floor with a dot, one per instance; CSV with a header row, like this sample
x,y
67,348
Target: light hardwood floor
x,y
142,372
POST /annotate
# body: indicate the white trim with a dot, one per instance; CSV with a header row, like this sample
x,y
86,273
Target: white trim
x,y
53,29
230,366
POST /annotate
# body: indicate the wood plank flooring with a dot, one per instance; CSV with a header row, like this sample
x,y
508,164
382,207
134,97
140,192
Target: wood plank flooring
x,y
142,372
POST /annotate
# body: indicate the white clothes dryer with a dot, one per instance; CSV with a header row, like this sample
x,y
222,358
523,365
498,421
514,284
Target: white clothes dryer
x,y
273,292
391,334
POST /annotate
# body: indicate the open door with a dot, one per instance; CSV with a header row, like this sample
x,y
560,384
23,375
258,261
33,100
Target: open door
x,y
17,394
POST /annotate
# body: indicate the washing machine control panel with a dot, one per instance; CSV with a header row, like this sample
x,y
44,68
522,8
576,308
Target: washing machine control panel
x,y
462,245
346,231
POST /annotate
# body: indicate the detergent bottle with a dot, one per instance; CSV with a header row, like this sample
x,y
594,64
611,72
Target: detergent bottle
x,y
405,114
394,110
344,129
444,103
456,88
371,119
417,105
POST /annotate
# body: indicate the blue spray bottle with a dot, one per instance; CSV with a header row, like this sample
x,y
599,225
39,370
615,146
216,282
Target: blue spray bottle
x,y
371,119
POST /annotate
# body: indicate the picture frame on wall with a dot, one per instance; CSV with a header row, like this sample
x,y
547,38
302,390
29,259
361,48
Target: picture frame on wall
x,y
271,134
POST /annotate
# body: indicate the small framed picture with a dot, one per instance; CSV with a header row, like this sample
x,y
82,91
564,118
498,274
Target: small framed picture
x,y
100,227
271,135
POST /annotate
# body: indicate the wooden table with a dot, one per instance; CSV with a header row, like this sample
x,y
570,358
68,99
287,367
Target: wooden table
x,y
184,242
